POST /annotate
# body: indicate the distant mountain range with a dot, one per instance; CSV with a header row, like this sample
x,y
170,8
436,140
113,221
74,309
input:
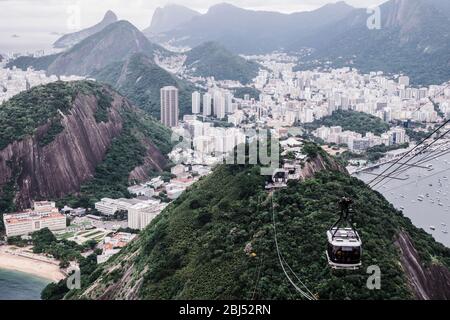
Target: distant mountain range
x,y
248,31
116,42
413,39
121,56
71,39
170,17
212,60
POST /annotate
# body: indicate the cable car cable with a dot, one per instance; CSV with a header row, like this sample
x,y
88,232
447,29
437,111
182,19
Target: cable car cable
x,y
280,259
424,178
426,159
299,280
436,154
405,163
258,277
445,123
408,153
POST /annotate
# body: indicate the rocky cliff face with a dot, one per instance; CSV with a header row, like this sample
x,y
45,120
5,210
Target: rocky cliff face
x,y
320,163
60,167
427,283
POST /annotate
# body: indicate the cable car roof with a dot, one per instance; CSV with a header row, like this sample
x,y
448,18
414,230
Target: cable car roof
x,y
344,237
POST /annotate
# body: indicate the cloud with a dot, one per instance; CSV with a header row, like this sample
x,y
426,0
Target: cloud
x,y
52,15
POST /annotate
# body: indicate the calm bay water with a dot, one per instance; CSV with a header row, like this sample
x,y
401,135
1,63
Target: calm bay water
x,y
424,197
27,42
20,286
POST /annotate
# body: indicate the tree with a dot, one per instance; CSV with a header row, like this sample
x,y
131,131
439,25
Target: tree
x,y
43,237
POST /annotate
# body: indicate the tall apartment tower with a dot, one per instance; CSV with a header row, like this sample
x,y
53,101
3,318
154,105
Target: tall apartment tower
x,y
207,101
403,80
169,106
219,105
196,102
228,102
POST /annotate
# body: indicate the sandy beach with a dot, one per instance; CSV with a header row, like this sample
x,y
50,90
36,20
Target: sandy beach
x,y
15,259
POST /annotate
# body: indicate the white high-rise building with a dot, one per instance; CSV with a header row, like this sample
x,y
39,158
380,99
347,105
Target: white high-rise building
x,y
217,99
219,105
228,102
196,96
397,135
169,106
403,80
221,110
207,104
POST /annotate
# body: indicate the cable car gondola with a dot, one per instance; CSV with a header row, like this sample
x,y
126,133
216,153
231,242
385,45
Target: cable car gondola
x,y
344,244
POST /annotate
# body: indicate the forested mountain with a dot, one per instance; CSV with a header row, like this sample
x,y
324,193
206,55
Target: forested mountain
x,y
217,242
248,31
413,38
77,138
140,80
116,42
210,59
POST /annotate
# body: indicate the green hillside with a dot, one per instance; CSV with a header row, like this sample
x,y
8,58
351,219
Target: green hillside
x,y
26,114
196,249
25,62
212,60
140,80
111,178
351,120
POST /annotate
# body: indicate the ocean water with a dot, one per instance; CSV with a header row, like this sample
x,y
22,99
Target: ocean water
x,y
424,196
20,286
27,42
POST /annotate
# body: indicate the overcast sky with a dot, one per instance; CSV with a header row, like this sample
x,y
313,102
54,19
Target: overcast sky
x,y
53,15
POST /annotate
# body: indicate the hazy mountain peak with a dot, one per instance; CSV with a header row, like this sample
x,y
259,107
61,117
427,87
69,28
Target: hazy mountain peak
x,y
338,4
169,17
115,42
71,39
224,6
110,16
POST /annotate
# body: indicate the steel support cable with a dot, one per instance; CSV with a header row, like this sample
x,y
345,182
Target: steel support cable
x,y
430,157
258,277
408,153
426,158
431,99
280,259
396,162
406,163
422,179
298,278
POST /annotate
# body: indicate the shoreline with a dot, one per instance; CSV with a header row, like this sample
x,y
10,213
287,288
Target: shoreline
x,y
36,267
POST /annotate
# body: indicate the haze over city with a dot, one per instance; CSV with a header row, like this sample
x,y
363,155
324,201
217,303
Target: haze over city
x,y
51,15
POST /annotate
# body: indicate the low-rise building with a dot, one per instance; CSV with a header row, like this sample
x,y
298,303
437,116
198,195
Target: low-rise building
x,y
113,245
107,206
140,215
44,215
